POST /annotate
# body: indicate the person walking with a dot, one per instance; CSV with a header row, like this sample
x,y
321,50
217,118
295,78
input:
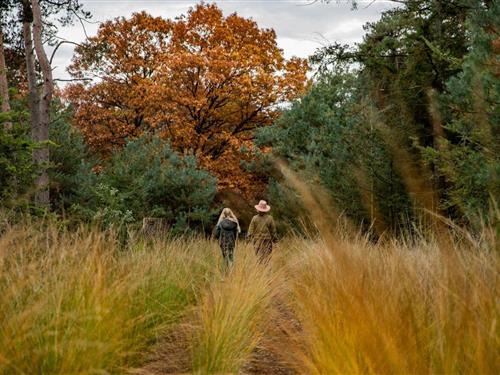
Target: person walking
x,y
262,231
226,231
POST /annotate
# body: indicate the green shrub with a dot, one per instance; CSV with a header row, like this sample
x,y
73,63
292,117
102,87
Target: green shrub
x,y
150,179
16,168
72,179
144,179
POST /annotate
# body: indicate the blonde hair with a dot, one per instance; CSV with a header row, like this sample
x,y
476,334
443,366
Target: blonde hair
x,y
228,214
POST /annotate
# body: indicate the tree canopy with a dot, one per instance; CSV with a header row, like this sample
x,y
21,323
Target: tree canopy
x,y
413,125
204,81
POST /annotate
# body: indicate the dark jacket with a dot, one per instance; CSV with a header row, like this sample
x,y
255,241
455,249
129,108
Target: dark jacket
x,y
226,232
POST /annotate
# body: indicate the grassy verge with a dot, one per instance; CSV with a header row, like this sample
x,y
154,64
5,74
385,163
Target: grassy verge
x,y
76,303
390,308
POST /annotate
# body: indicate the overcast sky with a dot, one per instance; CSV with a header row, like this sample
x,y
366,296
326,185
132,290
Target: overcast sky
x,y
301,27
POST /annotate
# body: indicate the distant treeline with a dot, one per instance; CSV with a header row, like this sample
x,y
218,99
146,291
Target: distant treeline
x,y
400,127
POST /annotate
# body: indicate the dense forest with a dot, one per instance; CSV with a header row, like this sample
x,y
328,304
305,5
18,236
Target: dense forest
x,y
174,118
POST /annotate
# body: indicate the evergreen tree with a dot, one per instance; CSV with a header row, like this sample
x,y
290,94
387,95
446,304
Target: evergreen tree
x,y
71,171
16,168
425,89
469,160
150,179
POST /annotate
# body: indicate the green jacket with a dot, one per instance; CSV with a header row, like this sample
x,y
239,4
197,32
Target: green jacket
x,y
262,228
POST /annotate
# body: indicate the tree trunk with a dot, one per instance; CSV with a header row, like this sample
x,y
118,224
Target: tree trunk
x,y
40,106
34,105
4,86
33,99
42,157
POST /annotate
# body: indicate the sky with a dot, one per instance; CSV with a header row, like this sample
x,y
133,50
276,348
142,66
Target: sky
x,y
301,26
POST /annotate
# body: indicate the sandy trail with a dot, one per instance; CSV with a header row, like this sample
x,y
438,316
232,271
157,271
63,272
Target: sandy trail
x,y
271,356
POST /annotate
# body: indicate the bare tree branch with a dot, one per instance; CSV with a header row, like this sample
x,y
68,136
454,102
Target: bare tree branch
x,y
370,4
58,45
72,79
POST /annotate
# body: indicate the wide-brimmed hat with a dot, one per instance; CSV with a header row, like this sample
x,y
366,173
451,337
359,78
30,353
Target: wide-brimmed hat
x,y
263,207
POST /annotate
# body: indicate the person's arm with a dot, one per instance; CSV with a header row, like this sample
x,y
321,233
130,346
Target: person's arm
x,y
216,232
251,228
272,228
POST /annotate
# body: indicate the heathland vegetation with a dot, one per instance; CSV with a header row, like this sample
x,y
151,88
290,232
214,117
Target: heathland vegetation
x,y
79,302
382,171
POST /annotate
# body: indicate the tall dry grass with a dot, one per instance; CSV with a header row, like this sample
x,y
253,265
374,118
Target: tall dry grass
x,y
232,315
396,309
78,303
422,305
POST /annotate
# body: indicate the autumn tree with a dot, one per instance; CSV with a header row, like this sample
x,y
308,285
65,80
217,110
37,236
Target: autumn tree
x,y
204,81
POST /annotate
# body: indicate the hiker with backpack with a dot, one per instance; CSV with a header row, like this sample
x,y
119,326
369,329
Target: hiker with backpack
x,y
226,231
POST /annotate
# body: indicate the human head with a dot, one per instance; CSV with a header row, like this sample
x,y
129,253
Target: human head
x,y
262,207
226,212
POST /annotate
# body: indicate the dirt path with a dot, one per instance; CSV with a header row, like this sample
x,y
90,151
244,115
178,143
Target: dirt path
x,y
172,354
274,355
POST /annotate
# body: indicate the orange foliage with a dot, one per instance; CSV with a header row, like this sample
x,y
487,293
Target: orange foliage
x,y
204,81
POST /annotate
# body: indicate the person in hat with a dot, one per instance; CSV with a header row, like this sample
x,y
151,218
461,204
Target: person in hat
x,y
226,231
262,231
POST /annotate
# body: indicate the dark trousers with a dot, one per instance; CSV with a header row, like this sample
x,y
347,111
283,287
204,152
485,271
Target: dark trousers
x,y
263,250
228,255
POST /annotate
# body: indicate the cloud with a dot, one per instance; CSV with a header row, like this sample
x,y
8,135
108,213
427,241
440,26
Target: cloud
x,y
300,28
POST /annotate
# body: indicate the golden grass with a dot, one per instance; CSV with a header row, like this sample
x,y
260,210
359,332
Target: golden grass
x,y
391,309
424,305
77,303
232,315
